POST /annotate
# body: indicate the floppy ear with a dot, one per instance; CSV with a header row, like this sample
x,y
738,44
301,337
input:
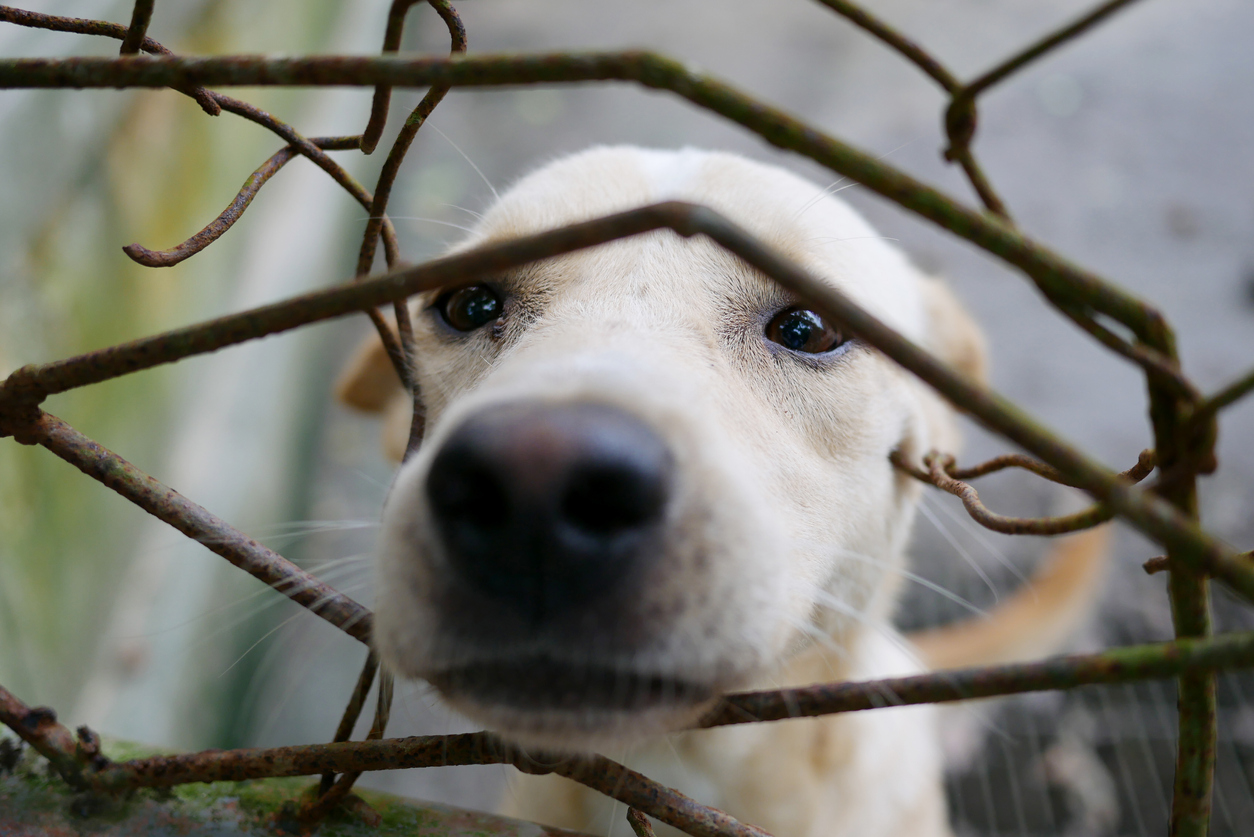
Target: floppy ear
x,y
952,334
397,425
369,383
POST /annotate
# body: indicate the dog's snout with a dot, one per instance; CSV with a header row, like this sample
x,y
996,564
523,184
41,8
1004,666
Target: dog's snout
x,y
545,506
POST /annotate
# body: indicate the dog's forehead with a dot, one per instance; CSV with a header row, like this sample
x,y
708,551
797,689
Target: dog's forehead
x,y
799,218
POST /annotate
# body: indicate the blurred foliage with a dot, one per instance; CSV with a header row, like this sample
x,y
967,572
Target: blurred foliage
x,y
90,174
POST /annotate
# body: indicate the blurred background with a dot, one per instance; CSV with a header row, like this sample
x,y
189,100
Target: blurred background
x,y
1128,150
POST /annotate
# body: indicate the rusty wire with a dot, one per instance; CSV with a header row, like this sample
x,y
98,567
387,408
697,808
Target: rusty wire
x,y
228,216
907,48
960,116
639,823
353,710
685,219
391,43
200,525
214,103
26,387
82,26
942,471
1077,293
86,769
136,32
402,355
1162,563
1119,665
1225,397
332,795
1183,421
39,728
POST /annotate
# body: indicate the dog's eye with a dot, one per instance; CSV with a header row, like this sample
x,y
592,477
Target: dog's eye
x,y
802,330
466,309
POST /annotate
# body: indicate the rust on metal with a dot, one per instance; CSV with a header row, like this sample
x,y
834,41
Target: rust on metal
x,y
1184,422
83,26
192,520
391,43
1157,518
1117,665
38,727
942,471
403,350
1076,292
639,823
137,31
227,218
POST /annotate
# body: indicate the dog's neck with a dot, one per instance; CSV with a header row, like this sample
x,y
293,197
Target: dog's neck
x,y
812,777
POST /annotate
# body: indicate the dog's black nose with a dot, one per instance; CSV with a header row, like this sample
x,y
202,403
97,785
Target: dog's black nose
x,y
544,506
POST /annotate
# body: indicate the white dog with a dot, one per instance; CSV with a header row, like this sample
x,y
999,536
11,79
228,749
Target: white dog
x,y
651,477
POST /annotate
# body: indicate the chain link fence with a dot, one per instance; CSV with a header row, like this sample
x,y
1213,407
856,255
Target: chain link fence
x,y
1183,418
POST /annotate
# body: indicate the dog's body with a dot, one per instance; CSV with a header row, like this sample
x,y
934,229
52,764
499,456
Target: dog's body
x,y
758,540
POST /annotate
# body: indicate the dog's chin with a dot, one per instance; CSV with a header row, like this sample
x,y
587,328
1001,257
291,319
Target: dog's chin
x,y
541,704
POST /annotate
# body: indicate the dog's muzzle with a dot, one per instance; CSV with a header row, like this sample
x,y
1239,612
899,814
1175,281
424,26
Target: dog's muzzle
x,y
543,507
552,576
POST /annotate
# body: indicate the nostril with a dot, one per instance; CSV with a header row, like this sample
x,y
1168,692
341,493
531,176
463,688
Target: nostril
x,y
606,500
469,495
544,506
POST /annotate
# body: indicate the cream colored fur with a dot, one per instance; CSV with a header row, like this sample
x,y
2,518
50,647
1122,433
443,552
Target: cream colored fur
x,y
783,557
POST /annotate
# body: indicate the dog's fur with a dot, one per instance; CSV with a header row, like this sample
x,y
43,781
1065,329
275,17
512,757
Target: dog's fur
x,y
779,563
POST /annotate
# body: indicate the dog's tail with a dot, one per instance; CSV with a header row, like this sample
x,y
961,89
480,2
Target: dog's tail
x,y
1036,621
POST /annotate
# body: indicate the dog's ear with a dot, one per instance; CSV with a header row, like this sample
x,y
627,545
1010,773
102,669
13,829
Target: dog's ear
x,y
953,337
369,383
397,426
952,334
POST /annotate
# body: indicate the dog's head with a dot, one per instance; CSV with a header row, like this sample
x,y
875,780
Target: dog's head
x,y
650,475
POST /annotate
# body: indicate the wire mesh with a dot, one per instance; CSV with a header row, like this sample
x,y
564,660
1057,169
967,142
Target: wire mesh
x,y
1016,794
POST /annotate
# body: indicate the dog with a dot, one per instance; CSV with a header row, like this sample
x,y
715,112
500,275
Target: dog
x,y
650,477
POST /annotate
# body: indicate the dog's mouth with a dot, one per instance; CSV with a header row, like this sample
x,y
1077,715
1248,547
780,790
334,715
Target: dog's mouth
x,y
548,686
560,706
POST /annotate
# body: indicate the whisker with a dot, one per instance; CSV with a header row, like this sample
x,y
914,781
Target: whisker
x,y
302,526
371,480
457,148
295,584
260,640
834,240
822,637
478,215
336,563
430,221
826,191
920,580
296,679
977,712
902,571
959,548
980,535
831,602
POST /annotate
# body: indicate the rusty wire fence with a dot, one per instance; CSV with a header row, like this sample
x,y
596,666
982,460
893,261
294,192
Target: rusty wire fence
x,y
1166,509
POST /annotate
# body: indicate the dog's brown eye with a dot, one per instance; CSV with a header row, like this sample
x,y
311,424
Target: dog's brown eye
x,y
802,330
466,309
